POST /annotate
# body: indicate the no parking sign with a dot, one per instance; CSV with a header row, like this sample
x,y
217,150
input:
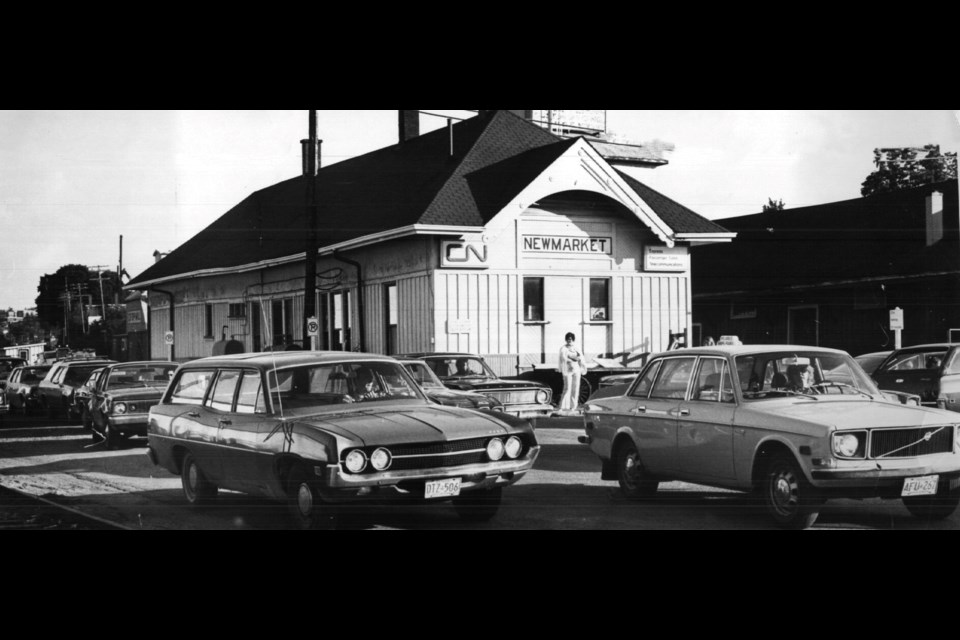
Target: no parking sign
x,y
313,327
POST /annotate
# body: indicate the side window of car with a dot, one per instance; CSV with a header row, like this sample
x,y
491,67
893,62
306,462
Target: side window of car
x,y
673,379
644,384
953,363
726,386
56,375
223,391
250,399
191,387
707,387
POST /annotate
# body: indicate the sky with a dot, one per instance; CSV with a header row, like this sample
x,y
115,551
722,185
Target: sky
x,y
73,182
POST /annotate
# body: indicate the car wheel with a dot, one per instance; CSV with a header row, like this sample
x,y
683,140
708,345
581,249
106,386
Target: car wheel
x,y
634,482
480,505
935,507
307,507
585,391
788,497
196,488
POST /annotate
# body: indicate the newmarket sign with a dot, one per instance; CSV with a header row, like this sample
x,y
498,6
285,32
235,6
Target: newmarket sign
x,y
567,245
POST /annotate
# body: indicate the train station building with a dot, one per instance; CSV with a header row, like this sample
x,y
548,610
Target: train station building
x,y
493,236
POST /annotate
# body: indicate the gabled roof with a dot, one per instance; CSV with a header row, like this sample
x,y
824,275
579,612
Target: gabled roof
x,y
678,217
877,237
416,182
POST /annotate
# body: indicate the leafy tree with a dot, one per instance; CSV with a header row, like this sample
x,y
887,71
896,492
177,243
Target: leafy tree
x,y
773,205
908,167
72,293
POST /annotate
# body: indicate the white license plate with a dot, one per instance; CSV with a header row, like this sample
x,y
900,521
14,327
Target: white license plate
x,y
920,486
442,488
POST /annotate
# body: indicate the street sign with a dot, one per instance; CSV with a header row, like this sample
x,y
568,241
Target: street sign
x,y
896,319
313,326
168,338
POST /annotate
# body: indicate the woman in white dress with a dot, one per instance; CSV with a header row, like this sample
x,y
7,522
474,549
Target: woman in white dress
x,y
571,366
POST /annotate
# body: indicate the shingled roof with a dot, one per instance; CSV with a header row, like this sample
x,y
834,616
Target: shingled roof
x,y
418,181
880,236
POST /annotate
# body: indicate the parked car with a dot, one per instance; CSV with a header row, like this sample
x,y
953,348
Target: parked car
x,y
7,365
931,371
431,385
870,361
22,392
722,416
320,429
467,372
82,397
63,378
123,396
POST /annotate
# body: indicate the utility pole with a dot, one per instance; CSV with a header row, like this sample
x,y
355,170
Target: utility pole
x,y
310,169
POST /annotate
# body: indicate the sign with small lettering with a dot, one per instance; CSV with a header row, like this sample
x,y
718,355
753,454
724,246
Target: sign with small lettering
x,y
666,259
460,325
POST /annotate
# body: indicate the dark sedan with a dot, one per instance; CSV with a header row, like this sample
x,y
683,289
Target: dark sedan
x,y
931,371
436,391
468,372
595,378
22,390
123,396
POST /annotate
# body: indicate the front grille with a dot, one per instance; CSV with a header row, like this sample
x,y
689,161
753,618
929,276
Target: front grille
x,y
526,396
908,443
439,454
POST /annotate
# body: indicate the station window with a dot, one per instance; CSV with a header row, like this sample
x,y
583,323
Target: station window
x,y
282,322
533,299
338,312
208,320
390,312
599,299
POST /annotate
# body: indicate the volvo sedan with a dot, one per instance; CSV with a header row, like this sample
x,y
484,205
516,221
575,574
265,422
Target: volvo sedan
x,y
731,417
321,429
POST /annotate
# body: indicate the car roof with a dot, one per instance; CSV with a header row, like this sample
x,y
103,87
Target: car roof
x,y
68,363
746,349
142,363
270,359
926,347
439,354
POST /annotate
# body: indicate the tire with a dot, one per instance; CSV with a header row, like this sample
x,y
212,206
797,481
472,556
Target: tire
x,y
111,436
307,509
786,494
480,505
196,488
935,507
585,391
634,483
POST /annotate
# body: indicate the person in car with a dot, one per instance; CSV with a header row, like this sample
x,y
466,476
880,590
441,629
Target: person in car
x,y
800,378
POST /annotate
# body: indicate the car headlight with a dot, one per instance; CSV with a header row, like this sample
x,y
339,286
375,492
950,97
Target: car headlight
x,y
513,447
356,461
381,459
120,407
495,449
543,396
915,402
846,445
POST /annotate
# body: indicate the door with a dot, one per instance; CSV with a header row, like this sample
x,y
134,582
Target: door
x,y
655,417
188,421
705,429
240,409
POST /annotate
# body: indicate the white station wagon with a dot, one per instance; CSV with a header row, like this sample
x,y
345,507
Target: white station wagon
x,y
728,416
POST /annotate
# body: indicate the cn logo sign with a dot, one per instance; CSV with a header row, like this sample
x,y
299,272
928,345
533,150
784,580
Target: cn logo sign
x,y
463,255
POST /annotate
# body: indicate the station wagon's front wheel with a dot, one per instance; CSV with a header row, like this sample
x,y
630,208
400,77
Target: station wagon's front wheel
x,y
635,483
196,488
787,495
308,509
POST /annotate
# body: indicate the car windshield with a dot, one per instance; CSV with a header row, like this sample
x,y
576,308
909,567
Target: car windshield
x,y
340,384
810,373
424,375
141,375
456,367
76,376
33,375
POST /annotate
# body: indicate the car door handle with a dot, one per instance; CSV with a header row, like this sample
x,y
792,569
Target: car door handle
x,y
640,410
680,412
224,421
193,414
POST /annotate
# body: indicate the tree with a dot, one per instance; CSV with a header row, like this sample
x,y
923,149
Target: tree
x,y
773,205
70,295
908,167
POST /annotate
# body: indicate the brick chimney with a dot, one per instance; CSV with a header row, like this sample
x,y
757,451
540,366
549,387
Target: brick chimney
x,y
409,124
